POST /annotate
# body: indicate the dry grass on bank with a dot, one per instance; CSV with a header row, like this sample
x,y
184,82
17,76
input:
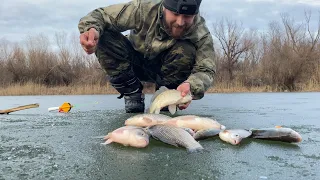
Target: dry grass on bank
x,y
237,87
36,89
311,86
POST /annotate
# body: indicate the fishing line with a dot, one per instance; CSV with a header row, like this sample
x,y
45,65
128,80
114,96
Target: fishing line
x,y
85,104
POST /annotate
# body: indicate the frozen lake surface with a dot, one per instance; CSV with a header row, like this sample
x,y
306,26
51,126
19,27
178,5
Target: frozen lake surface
x,y
37,144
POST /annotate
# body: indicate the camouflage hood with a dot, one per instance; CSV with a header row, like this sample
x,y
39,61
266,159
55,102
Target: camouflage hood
x,y
148,36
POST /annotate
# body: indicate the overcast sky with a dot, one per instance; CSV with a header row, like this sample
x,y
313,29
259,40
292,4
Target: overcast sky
x,y
19,18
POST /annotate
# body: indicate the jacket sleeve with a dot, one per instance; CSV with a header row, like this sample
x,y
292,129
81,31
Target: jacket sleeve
x,y
118,17
203,72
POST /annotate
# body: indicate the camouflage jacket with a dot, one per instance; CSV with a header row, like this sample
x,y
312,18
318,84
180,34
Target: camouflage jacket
x,y
148,36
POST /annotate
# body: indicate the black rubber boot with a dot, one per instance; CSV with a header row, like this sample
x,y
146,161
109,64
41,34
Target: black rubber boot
x,y
134,103
129,87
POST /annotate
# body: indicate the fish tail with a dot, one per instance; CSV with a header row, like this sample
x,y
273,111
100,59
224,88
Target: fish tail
x,y
98,137
107,142
107,136
158,92
195,149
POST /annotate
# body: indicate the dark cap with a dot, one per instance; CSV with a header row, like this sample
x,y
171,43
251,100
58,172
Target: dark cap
x,y
189,7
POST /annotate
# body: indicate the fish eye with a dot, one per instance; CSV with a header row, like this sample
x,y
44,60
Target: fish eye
x,y
141,133
235,135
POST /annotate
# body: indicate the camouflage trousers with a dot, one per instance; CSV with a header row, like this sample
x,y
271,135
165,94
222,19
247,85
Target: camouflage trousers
x,y
126,67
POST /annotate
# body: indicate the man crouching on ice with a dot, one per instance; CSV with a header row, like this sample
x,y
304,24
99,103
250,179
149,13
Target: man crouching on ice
x,y
169,44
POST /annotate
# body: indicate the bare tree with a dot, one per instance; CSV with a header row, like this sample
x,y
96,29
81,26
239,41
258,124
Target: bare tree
x,y
17,65
301,55
291,52
4,49
249,67
234,42
5,53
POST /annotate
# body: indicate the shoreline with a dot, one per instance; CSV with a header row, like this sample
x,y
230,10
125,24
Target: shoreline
x,y
96,89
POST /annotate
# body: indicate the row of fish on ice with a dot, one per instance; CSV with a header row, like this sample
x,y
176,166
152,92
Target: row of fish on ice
x,y
185,130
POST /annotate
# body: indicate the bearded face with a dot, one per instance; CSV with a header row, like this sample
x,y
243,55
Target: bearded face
x,y
177,24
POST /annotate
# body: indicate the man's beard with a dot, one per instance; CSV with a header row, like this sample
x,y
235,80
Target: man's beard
x,y
179,30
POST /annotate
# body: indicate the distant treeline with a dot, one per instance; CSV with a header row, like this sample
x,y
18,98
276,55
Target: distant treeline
x,y
286,57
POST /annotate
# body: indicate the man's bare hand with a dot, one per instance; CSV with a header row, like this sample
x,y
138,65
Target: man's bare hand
x,y
184,88
89,40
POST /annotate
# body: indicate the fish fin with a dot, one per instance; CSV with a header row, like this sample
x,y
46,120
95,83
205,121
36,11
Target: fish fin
x,y
148,120
172,108
159,91
224,131
157,111
107,142
247,135
190,131
278,127
154,137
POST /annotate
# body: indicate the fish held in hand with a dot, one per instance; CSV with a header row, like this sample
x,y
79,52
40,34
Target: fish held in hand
x,y
234,136
167,97
195,122
175,136
145,120
276,134
128,136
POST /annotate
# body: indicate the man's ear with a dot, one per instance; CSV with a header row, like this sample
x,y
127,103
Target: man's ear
x,y
161,14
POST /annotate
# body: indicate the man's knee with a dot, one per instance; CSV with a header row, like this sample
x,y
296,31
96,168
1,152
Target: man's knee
x,y
126,83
